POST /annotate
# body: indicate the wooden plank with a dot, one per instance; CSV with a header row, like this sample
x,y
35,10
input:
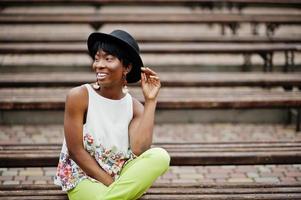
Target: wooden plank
x,y
172,191
237,144
169,98
169,191
50,159
153,2
253,196
174,48
156,39
181,197
98,18
37,155
168,79
225,185
176,149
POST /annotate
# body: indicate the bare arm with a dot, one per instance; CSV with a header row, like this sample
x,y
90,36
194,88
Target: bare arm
x,y
75,107
142,124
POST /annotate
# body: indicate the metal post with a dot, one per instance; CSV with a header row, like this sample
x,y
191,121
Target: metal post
x,y
298,120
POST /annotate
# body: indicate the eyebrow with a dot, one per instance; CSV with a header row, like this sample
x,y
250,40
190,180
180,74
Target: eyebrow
x,y
105,54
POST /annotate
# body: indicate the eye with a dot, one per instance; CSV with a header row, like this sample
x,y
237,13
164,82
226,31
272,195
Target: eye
x,y
109,58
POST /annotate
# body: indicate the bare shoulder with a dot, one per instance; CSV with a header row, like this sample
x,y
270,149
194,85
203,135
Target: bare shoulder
x,y
77,96
77,91
137,107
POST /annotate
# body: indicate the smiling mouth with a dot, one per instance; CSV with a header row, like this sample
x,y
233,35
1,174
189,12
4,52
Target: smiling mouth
x,y
101,76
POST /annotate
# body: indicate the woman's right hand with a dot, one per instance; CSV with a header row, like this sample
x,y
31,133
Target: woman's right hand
x,y
150,83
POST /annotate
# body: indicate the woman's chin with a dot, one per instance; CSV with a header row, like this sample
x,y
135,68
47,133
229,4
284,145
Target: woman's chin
x,y
103,83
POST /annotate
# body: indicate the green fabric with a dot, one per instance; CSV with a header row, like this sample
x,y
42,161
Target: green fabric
x,y
136,177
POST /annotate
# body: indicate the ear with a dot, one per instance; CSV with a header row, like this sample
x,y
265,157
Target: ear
x,y
128,68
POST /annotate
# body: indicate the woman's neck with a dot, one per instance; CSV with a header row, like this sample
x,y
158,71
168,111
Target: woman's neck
x,y
110,92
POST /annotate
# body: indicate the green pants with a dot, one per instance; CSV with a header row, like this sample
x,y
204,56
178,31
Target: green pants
x,y
136,177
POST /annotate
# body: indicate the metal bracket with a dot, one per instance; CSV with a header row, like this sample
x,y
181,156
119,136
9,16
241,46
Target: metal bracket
x,y
289,61
233,27
223,29
96,26
298,120
247,61
294,112
268,61
270,29
254,27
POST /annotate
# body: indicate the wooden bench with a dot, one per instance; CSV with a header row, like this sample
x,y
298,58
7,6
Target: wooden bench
x,y
175,48
222,191
135,2
207,3
182,154
169,98
168,79
171,191
97,20
157,39
266,51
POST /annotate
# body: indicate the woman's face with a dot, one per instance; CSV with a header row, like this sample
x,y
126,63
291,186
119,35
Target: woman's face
x,y
108,68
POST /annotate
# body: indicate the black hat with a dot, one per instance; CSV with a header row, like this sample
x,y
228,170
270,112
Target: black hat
x,y
126,41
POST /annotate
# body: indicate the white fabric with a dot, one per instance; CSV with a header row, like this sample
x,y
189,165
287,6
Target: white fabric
x,y
105,137
108,120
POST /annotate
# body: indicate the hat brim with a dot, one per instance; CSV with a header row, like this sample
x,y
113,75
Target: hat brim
x,y
135,74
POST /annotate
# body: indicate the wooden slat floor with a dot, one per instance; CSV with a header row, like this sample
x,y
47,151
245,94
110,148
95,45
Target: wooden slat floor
x,y
169,98
168,79
38,155
239,191
24,48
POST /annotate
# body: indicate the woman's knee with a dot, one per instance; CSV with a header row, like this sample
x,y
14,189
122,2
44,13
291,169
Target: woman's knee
x,y
160,156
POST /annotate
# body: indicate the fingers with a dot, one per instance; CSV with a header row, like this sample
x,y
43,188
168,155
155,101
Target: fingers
x,y
143,78
148,76
154,77
148,71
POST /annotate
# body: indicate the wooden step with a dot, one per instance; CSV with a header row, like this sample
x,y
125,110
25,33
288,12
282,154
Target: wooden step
x,y
156,39
169,98
182,154
225,191
98,19
168,79
174,48
155,2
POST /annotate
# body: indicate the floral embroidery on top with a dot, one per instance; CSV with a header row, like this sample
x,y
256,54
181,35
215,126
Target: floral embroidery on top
x,y
69,174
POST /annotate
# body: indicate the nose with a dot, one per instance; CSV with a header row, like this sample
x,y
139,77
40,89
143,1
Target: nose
x,y
99,64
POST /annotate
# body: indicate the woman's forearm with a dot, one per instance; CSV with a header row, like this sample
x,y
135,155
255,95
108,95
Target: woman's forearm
x,y
89,165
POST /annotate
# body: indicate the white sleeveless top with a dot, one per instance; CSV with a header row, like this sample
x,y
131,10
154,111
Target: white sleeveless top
x,y
105,137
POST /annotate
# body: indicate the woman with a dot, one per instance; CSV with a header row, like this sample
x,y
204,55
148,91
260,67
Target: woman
x,y
106,152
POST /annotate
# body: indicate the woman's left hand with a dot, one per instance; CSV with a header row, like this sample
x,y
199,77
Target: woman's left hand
x,y
150,83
